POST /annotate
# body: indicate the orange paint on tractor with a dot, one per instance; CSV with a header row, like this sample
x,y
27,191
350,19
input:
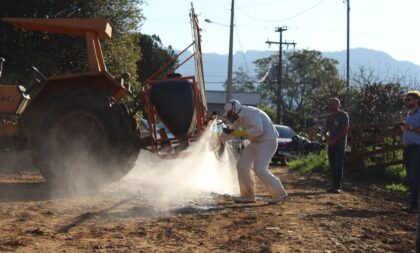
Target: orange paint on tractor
x,y
11,98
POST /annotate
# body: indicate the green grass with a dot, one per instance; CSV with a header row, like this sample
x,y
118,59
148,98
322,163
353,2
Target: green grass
x,y
311,163
396,187
390,178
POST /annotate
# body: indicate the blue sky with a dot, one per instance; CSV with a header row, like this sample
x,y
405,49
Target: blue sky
x,y
385,25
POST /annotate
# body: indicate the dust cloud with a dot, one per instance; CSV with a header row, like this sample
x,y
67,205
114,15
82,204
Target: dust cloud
x,y
171,183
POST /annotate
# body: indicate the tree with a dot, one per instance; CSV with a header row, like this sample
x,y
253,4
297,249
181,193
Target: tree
x,y
153,56
308,77
269,111
267,86
241,81
54,53
310,80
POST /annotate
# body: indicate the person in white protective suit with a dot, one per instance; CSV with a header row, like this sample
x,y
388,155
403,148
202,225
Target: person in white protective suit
x,y
254,124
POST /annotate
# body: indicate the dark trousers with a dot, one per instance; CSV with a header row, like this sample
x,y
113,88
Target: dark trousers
x,y
336,161
412,166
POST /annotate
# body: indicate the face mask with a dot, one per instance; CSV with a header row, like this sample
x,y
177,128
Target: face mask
x,y
232,117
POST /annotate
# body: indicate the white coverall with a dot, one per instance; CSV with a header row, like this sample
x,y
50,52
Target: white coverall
x,y
257,155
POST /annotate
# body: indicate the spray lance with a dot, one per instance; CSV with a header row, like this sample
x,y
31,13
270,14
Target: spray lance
x,y
224,132
220,138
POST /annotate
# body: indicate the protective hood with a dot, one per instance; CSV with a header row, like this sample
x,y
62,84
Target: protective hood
x,y
233,105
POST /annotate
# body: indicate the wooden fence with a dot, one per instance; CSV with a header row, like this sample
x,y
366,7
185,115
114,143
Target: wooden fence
x,y
377,144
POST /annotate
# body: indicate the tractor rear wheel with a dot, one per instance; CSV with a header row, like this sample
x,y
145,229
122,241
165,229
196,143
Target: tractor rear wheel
x,y
85,139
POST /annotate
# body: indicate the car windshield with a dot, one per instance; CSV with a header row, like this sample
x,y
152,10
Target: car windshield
x,y
285,132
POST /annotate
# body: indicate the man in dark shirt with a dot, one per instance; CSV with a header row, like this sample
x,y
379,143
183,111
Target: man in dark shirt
x,y
336,135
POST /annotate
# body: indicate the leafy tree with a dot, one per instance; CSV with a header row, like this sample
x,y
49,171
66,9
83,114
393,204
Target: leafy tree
x,y
375,98
153,56
376,103
270,111
268,85
308,78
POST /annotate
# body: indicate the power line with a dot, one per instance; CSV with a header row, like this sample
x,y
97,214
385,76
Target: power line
x,y
282,19
240,46
260,3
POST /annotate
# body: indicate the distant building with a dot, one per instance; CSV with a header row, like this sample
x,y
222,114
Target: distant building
x,y
217,99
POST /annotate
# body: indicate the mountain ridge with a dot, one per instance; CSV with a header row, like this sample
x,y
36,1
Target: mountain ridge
x,y
382,64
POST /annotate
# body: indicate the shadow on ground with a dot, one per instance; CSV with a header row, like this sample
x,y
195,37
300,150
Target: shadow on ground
x,y
23,191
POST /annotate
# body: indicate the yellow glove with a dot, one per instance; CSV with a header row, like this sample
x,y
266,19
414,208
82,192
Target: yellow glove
x,y
239,133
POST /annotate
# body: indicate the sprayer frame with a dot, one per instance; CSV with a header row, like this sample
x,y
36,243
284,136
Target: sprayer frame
x,y
202,115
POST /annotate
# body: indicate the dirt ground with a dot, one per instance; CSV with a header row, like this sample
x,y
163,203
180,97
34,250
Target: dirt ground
x,y
362,219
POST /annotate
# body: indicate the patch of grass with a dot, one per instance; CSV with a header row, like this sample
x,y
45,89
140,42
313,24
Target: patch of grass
x,y
395,172
380,176
396,187
391,178
311,163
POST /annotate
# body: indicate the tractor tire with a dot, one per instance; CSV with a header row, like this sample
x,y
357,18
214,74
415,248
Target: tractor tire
x,y
86,139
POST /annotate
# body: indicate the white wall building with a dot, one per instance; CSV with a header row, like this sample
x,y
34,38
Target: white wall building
x,y
217,99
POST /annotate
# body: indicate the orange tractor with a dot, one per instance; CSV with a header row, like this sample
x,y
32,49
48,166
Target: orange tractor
x,y
75,125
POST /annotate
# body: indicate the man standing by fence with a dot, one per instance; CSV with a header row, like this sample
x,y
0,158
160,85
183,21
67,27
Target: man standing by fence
x,y
336,129
411,142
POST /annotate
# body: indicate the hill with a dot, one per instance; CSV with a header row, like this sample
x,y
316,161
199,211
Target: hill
x,y
383,65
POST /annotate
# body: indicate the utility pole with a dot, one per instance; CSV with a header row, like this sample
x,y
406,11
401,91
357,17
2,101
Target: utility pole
x,y
348,47
230,56
229,77
280,72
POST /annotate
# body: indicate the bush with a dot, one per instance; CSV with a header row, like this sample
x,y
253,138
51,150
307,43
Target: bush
x,y
375,103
